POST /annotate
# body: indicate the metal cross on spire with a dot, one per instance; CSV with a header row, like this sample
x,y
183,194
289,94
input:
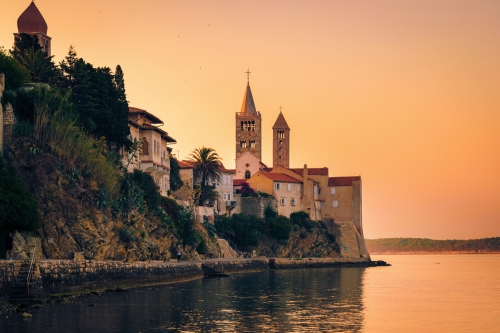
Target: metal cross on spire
x,y
248,75
281,109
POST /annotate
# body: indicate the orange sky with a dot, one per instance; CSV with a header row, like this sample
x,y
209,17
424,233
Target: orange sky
x,y
404,93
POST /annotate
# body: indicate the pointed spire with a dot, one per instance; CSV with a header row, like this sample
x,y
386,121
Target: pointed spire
x,y
281,122
248,106
31,20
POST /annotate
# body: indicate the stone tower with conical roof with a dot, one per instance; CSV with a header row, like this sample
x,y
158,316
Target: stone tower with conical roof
x,y
31,22
248,127
281,143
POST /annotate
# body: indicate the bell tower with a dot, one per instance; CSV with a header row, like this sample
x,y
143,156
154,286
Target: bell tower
x,y
281,142
248,126
31,22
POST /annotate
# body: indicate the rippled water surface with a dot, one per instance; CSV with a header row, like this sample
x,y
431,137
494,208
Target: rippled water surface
x,y
454,293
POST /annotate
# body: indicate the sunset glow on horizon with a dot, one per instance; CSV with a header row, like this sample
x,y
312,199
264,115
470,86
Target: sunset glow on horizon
x,y
405,94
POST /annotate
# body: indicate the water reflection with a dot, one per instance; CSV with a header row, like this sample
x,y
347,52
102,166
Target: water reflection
x,y
314,300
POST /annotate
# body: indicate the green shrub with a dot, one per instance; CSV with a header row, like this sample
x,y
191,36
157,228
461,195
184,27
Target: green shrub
x,y
126,235
302,220
279,227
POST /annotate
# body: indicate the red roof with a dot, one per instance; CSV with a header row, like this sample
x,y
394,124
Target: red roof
x,y
154,119
239,182
224,170
31,20
312,171
185,164
342,181
279,177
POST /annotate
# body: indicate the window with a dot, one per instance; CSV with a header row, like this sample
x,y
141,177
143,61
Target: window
x,y
289,187
247,174
281,134
243,144
335,203
279,157
225,196
229,196
293,202
280,142
283,201
318,191
332,190
252,143
322,204
280,149
277,186
253,126
298,188
145,147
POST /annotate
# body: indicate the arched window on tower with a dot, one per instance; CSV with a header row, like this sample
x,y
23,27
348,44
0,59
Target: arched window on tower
x,y
281,134
252,143
280,142
253,126
247,174
242,126
243,143
245,125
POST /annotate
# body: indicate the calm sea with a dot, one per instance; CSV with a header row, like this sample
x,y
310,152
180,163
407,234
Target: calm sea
x,y
434,293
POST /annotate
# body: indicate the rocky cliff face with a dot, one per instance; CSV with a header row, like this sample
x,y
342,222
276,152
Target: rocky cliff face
x,y
73,226
315,242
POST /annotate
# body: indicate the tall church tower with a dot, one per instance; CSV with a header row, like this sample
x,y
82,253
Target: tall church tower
x,y
248,127
281,143
31,22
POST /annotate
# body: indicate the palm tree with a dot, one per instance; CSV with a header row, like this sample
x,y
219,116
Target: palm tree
x,y
206,166
39,64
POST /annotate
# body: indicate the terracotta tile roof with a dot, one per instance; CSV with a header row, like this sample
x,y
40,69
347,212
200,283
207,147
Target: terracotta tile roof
x,y
224,170
239,182
312,171
266,169
164,134
185,164
154,119
342,181
279,177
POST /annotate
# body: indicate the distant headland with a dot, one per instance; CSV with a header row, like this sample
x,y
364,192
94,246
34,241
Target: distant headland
x,y
433,246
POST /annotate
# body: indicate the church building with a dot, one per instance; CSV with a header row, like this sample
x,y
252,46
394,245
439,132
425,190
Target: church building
x,y
31,22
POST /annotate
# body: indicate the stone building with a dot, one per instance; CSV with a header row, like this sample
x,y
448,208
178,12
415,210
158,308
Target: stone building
x,y
248,132
286,190
31,22
298,189
281,143
152,154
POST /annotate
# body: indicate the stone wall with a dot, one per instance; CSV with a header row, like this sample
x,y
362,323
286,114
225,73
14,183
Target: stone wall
x,y
60,276
287,263
256,206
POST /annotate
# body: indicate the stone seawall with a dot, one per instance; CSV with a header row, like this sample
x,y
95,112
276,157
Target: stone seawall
x,y
61,276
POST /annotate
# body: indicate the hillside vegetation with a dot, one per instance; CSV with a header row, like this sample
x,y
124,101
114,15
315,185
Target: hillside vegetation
x,y
425,245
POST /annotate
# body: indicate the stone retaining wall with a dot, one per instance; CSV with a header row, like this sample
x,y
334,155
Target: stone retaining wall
x,y
285,263
60,276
